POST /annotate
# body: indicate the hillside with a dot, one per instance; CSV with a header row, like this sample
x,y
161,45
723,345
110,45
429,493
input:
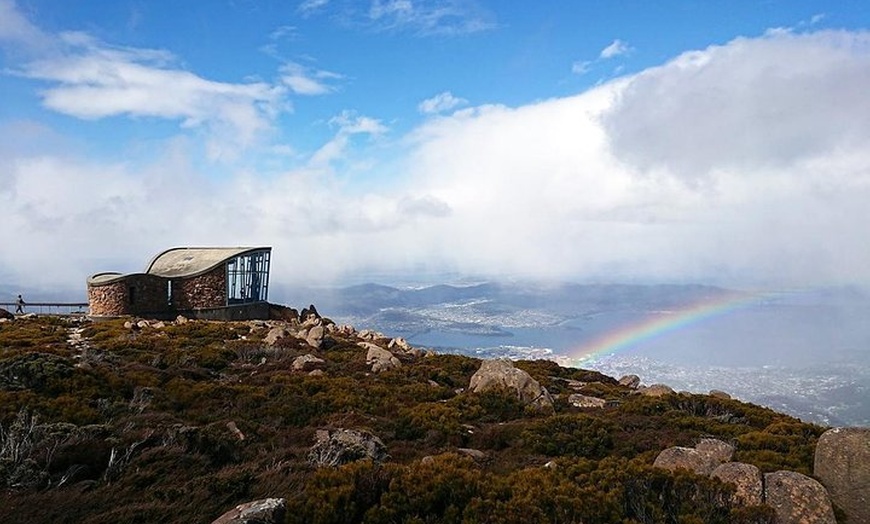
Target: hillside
x,y
139,421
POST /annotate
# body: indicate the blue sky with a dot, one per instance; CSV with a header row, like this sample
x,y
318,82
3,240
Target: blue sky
x,y
584,140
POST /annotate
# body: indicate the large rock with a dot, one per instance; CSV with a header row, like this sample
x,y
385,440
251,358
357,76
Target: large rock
x,y
702,459
842,464
685,458
334,448
797,499
582,401
264,511
309,314
315,336
715,393
6,314
716,449
656,390
747,480
306,362
501,373
274,335
399,344
630,381
379,358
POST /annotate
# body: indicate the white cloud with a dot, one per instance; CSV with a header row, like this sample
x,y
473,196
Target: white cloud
x,y
440,103
310,6
581,67
92,80
419,17
616,48
307,81
740,164
16,29
753,104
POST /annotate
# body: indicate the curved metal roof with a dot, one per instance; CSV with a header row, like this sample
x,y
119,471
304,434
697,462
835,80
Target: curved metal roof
x,y
191,261
181,262
105,278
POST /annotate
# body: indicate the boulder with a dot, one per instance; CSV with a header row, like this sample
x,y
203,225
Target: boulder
x,y
345,330
476,454
274,335
234,429
656,390
6,314
747,481
369,335
691,459
334,448
630,381
181,319
797,499
315,336
501,373
842,464
716,449
304,362
715,393
582,401
264,511
399,344
309,314
379,358
702,459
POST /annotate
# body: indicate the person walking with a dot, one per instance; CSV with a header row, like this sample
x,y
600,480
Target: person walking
x,y
19,305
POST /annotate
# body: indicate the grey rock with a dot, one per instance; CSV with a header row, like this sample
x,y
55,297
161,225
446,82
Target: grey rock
x,y
4,314
630,381
716,449
656,390
842,464
797,499
334,448
379,358
582,401
501,373
715,393
274,335
747,480
702,459
264,511
315,336
691,459
476,454
304,362
399,344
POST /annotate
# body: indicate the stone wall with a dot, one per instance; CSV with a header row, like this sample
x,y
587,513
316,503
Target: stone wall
x,y
109,300
138,294
208,290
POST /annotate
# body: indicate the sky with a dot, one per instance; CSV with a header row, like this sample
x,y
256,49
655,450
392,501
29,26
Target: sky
x,y
560,140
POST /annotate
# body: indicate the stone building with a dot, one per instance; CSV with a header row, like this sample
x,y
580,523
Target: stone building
x,y
229,283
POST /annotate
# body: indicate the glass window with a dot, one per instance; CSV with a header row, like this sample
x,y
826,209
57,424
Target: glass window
x,y
248,278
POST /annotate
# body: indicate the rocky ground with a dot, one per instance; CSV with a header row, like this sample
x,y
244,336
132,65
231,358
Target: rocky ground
x,y
297,419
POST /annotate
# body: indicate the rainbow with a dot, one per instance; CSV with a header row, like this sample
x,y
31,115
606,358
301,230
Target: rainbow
x,y
662,323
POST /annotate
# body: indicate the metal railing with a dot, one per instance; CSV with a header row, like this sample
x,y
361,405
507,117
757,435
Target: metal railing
x,y
49,308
